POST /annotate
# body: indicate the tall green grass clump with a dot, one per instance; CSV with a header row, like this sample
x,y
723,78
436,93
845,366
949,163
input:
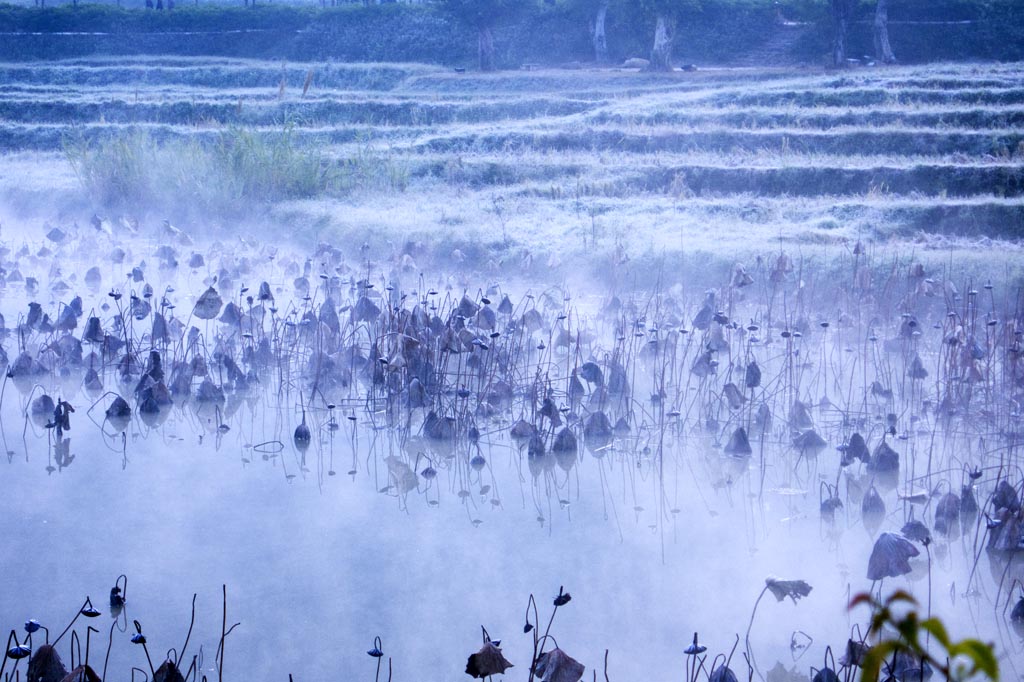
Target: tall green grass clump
x,y
234,173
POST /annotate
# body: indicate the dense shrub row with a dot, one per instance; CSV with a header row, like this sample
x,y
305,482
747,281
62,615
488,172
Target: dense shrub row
x,y
717,31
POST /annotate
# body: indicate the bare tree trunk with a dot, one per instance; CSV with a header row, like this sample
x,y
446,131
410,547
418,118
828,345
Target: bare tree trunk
x,y
883,50
600,38
485,47
661,53
840,27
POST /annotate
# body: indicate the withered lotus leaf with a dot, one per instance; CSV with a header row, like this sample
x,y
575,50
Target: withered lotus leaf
x,y
488,661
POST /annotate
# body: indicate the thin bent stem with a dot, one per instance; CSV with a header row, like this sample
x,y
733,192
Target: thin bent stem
x,y
191,623
88,637
77,614
3,663
223,634
750,625
110,645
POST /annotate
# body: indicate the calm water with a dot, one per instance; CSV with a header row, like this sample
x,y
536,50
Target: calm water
x,y
317,564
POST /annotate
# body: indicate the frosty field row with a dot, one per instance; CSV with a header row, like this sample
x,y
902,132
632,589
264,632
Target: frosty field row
x,y
266,109
851,147
766,179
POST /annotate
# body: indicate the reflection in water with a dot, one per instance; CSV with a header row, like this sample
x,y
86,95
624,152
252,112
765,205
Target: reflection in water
x,y
353,458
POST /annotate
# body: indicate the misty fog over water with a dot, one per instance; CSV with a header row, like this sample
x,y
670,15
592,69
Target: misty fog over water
x,y
353,349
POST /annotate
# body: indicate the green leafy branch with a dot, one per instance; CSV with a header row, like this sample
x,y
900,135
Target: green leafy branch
x,y
973,656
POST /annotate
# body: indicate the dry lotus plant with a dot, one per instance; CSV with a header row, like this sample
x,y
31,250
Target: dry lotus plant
x,y
486,662
558,666
794,589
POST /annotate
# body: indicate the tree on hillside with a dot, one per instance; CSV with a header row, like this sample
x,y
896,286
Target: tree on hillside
x,y
596,13
883,50
598,35
666,16
483,15
598,10
841,11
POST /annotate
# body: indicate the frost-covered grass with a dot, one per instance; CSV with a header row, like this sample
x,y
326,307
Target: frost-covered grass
x,y
226,176
536,170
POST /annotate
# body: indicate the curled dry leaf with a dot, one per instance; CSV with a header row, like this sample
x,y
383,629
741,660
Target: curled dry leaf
x,y
558,666
794,589
46,666
488,661
208,304
889,557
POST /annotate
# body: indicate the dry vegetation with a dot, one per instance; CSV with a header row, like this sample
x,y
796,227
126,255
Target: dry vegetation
x,y
540,167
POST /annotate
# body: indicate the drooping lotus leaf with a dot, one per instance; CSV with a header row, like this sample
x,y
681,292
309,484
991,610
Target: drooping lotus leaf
x,y
558,666
565,441
825,675
302,436
809,443
208,304
523,430
872,509
402,474
752,376
800,417
486,662
265,293
467,308
855,651
704,365
535,448
723,673
1005,497
439,428
486,319
917,370
884,459
732,394
890,557
916,531
597,427
232,315
1005,532
45,665
857,448
168,672
1017,617
947,515
365,310
780,673
739,443
968,505
906,666
794,589
592,373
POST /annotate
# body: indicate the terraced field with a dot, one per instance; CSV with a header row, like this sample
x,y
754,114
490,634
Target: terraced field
x,y
537,168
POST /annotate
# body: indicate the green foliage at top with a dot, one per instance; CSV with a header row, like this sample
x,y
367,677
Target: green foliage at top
x,y
707,31
89,17
484,13
963,659
671,8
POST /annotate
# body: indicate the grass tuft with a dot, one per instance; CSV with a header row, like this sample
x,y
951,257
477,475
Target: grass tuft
x,y
235,173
